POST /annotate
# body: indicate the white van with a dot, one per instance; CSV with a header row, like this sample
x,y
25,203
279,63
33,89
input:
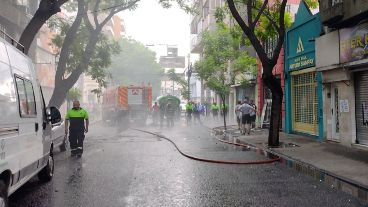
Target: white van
x,y
26,146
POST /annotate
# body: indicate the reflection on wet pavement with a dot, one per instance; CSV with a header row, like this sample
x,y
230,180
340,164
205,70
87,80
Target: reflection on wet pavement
x,y
130,168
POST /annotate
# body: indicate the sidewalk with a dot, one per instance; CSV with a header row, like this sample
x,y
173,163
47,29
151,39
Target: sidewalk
x,y
338,166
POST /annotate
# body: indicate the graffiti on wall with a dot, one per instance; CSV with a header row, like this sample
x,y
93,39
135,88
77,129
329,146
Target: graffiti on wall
x,y
365,114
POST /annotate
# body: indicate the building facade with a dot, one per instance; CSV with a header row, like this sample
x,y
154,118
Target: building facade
x,y
171,60
344,65
263,99
303,83
202,21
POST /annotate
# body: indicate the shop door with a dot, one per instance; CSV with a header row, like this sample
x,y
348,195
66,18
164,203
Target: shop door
x,y
304,102
335,113
361,107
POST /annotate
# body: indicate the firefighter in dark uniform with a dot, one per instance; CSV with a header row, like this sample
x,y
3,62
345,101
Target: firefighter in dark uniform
x,y
170,113
78,119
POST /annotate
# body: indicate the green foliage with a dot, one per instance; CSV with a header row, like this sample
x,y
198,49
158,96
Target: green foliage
x,y
97,91
264,28
74,94
184,4
313,4
180,81
135,65
221,52
220,14
100,58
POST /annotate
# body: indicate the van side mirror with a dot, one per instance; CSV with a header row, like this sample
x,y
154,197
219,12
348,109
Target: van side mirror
x,y
53,115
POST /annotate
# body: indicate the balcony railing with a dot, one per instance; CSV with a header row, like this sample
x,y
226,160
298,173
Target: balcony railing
x,y
332,11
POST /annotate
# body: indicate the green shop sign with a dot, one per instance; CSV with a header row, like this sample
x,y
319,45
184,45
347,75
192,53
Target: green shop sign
x,y
304,61
300,40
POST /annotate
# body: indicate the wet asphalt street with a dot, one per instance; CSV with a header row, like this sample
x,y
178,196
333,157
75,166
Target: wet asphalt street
x,y
132,168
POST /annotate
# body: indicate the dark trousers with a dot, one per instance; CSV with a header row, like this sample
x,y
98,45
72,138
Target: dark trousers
x,y
162,117
170,121
76,143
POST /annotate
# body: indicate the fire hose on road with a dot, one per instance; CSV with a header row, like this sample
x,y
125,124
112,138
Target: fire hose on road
x,y
246,162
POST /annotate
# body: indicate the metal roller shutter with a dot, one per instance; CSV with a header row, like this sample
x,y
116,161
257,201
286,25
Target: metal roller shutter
x,y
361,107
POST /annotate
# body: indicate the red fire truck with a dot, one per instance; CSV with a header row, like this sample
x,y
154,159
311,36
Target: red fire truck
x,y
122,104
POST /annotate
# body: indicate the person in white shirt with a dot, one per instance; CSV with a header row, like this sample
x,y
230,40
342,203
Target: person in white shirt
x,y
238,114
246,110
253,115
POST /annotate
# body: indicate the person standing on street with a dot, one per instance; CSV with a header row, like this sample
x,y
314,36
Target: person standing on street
x,y
246,109
253,115
77,118
162,114
238,114
215,108
189,111
155,111
170,113
197,113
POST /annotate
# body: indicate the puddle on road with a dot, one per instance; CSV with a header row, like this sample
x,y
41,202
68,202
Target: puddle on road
x,y
248,148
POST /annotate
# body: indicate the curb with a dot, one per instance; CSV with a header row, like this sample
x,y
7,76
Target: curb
x,y
328,178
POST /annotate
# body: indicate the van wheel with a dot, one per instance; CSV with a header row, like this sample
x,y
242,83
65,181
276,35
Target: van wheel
x,y
3,195
47,172
62,147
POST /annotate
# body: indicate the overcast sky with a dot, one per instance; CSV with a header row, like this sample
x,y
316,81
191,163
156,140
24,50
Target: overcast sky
x,y
152,24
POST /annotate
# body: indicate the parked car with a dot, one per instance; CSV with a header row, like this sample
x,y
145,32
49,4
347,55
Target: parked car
x,y
26,142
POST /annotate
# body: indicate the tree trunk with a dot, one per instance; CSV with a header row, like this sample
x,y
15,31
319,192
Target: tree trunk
x,y
59,94
45,10
224,111
62,86
277,94
31,30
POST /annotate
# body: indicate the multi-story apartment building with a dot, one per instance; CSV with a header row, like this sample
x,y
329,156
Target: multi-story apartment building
x,y
115,28
341,57
203,20
170,59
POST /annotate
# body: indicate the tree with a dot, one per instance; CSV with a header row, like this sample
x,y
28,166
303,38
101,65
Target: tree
x,y
100,58
263,20
98,92
48,8
73,94
85,34
136,64
185,93
221,58
94,14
